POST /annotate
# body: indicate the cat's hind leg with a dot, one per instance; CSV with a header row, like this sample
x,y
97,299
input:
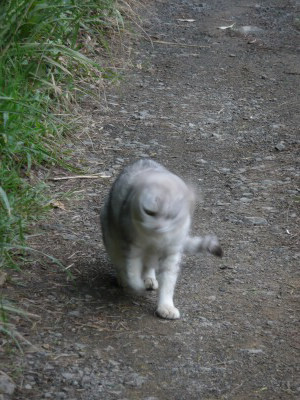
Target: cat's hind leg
x,y
150,266
167,282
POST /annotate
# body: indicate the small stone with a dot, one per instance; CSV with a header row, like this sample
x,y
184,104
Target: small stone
x,y
280,146
142,155
151,398
270,158
226,267
256,220
60,395
114,363
7,385
75,313
278,126
245,200
291,191
86,380
79,346
247,194
252,351
135,379
48,367
69,236
268,182
27,386
141,115
246,29
68,376
212,298
201,160
225,170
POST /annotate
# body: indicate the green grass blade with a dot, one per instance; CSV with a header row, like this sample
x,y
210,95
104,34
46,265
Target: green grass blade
x,y
5,201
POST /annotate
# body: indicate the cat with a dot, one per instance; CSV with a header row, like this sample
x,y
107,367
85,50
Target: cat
x,y
145,225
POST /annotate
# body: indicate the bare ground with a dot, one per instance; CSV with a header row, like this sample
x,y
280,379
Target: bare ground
x,y
220,107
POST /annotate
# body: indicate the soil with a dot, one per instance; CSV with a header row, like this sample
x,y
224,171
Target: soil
x,y
220,107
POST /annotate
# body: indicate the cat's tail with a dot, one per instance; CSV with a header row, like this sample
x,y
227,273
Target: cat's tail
x,y
198,244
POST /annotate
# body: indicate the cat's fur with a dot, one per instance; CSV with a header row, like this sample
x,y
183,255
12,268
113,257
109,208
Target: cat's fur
x,y
145,225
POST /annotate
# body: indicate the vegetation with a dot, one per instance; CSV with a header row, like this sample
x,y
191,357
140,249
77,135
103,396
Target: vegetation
x,y
43,60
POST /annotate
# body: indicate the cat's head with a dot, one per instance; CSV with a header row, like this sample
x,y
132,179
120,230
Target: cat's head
x,y
162,202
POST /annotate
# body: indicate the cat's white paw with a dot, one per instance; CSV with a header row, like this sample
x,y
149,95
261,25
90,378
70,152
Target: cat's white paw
x,y
151,283
168,312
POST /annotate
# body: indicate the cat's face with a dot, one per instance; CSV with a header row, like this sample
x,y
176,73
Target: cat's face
x,y
161,204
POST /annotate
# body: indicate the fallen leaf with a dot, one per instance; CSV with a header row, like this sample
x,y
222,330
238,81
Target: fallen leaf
x,y
3,277
226,27
186,20
104,176
57,204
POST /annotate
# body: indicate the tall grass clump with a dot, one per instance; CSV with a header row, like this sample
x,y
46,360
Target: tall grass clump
x,y
43,59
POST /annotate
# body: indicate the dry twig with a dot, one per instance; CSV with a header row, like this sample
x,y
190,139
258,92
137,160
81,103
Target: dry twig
x,y
94,176
179,44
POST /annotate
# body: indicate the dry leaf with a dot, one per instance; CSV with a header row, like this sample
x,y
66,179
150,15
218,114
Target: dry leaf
x,y
226,27
3,277
57,204
186,20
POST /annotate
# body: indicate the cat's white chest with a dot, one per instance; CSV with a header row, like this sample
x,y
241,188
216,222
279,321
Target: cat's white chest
x,y
160,243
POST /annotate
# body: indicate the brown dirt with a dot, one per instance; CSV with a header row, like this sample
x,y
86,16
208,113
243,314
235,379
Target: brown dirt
x,y
219,107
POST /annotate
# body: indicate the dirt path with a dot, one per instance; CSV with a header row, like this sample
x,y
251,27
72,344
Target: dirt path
x,y
220,109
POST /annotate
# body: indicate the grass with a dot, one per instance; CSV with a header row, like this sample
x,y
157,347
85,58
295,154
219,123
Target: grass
x,y
44,58
8,324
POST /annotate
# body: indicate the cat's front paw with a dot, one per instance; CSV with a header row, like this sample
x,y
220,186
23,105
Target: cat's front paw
x,y
151,283
168,312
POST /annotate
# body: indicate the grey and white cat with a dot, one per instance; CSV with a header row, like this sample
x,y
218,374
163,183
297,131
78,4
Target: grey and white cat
x,y
145,224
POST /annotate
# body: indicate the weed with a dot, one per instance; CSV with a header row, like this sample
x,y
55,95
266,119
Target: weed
x,y
44,57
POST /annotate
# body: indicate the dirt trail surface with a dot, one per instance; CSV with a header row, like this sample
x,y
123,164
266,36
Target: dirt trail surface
x,y
220,107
